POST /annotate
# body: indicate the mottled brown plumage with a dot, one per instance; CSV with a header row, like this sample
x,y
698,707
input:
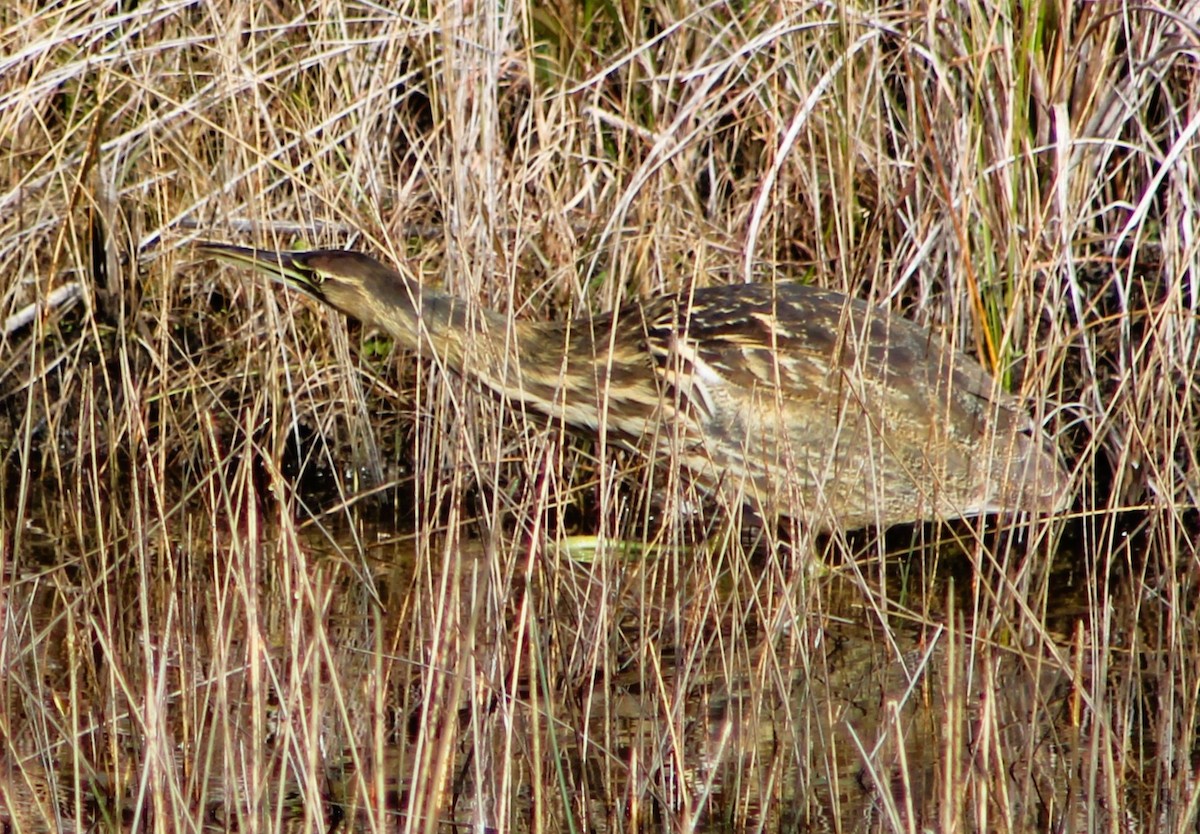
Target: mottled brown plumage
x,y
796,400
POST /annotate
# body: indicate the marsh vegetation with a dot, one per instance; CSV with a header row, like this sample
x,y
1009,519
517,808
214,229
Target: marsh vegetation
x,y
259,570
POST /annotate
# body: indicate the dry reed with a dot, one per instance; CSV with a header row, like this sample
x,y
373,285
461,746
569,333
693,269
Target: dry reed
x,y
190,637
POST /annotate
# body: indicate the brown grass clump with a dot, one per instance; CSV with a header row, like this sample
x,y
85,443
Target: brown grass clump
x,y
210,616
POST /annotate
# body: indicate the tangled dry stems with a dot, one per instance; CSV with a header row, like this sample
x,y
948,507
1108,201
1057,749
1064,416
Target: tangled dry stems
x,y
1026,184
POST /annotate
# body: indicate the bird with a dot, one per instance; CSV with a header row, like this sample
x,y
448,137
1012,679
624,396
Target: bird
x,y
791,399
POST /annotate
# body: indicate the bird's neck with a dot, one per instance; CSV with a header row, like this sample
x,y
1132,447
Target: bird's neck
x,y
425,320
541,364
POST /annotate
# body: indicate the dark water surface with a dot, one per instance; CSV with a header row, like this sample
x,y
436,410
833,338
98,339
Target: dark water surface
x,y
200,672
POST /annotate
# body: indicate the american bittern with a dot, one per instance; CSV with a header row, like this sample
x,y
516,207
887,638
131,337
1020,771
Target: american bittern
x,y
792,399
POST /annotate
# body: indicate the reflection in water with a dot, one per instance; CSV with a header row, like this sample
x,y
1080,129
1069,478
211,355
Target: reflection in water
x,y
364,681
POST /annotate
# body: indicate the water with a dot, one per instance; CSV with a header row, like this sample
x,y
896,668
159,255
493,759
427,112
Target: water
x,y
233,670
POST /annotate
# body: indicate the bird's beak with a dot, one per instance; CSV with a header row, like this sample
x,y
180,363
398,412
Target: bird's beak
x,y
285,267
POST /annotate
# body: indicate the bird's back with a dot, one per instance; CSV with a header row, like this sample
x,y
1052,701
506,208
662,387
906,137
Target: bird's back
x,y
800,400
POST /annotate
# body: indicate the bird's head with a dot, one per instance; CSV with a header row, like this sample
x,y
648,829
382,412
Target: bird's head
x,y
352,282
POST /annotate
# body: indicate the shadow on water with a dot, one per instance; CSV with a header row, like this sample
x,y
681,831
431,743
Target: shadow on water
x,y
344,677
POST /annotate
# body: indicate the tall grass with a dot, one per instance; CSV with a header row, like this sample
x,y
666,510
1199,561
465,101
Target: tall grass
x,y
258,571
